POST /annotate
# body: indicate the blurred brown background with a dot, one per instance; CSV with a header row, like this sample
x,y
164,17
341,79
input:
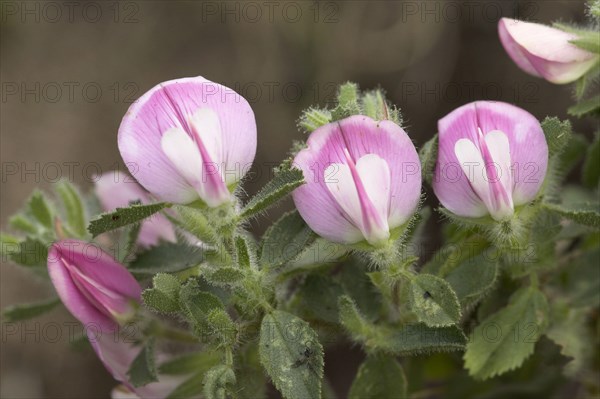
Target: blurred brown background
x,y
70,69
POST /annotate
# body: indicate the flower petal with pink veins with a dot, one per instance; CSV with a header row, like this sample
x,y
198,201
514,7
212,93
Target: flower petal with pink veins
x,y
217,120
545,51
384,193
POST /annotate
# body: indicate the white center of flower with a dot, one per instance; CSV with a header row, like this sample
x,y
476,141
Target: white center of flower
x,y
198,155
362,190
487,165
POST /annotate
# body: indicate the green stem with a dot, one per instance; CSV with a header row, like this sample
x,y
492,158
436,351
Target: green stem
x,y
228,357
533,280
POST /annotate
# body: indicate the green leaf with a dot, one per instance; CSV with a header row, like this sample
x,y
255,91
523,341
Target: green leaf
x,y
218,381
127,243
588,40
379,377
167,257
190,388
568,328
506,338
585,214
39,208
353,320
348,95
292,355
285,240
359,287
198,362
251,379
557,134
32,252
433,301
573,153
373,105
286,180
405,340
198,304
581,281
143,369
591,166
164,296
124,216
222,327
585,107
318,297
418,338
473,278
428,157
196,222
223,275
314,118
26,311
22,223
347,102
73,205
246,252
8,245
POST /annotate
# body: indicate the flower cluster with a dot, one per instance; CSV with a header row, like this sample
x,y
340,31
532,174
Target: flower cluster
x,y
357,182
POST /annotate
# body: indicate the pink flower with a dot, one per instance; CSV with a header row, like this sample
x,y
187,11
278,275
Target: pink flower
x,y
492,157
92,285
545,52
117,190
101,294
363,179
189,139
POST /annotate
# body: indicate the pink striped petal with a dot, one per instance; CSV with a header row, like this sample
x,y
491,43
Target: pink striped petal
x,y
365,198
92,285
508,159
544,51
218,121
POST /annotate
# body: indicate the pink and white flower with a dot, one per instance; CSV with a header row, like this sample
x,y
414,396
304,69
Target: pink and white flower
x,y
544,51
363,179
93,286
116,189
492,157
101,294
189,139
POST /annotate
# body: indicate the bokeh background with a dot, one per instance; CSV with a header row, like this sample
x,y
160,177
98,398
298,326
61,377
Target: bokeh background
x,y
69,71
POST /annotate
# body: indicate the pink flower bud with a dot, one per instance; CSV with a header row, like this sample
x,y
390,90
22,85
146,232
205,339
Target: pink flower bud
x,y
545,52
101,294
189,139
93,286
117,190
363,179
492,157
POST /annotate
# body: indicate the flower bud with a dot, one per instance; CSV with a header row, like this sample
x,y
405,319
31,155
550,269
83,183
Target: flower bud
x,y
93,286
363,179
492,157
189,139
101,294
544,51
117,190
